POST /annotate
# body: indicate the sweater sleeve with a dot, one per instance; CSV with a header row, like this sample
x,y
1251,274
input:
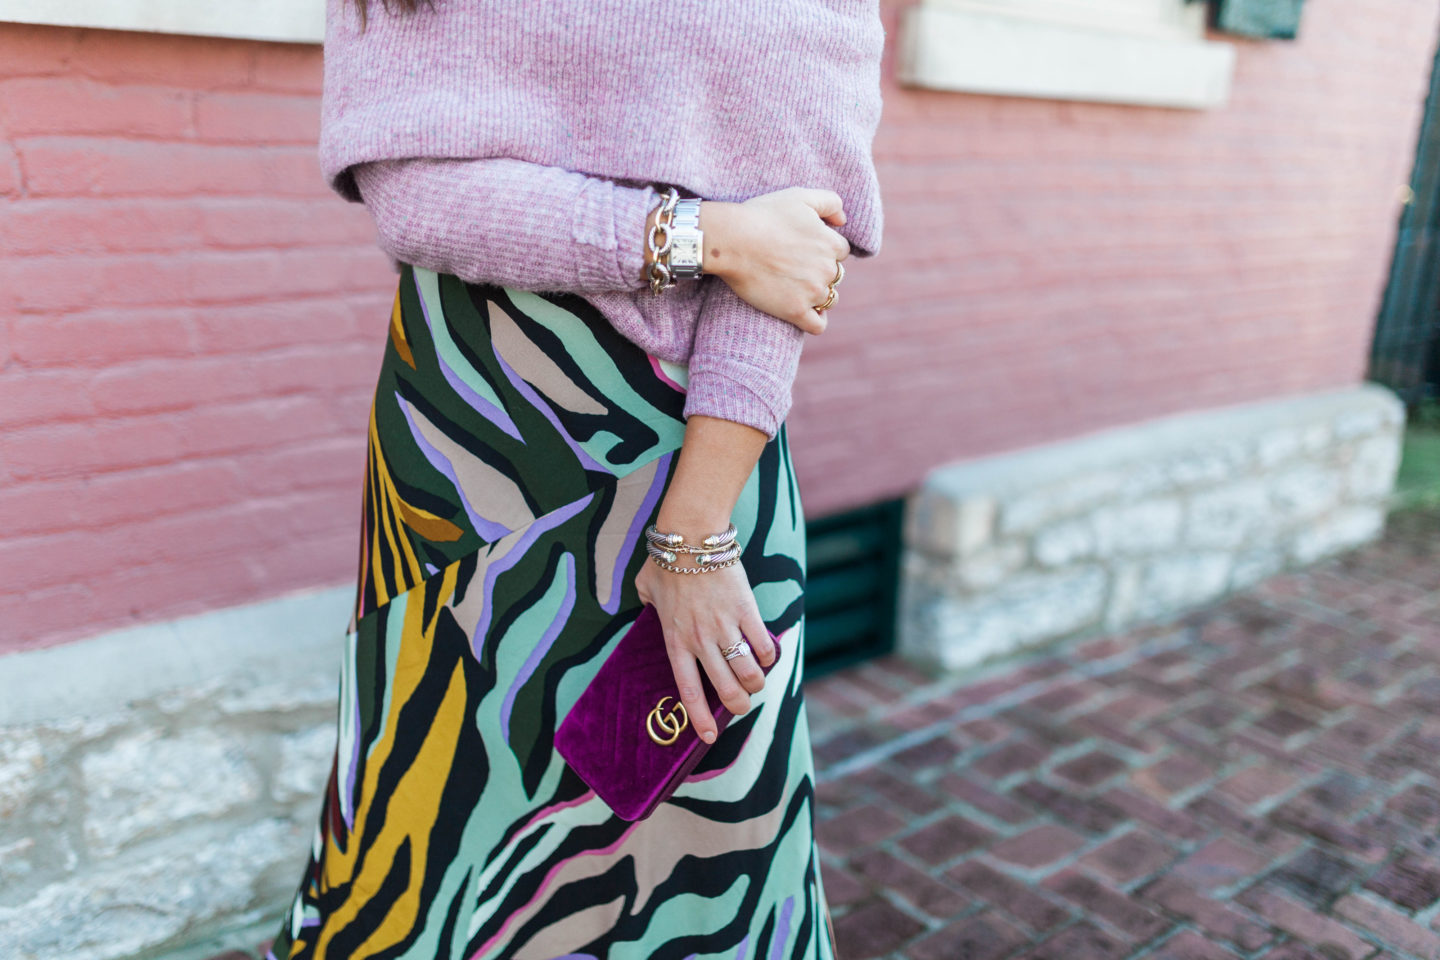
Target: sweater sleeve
x,y
509,222
535,227
743,363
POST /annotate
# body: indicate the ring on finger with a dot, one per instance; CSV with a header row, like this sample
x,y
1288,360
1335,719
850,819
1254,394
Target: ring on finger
x,y
839,273
739,648
829,301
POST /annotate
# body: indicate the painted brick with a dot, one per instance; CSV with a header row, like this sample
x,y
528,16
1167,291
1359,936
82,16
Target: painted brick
x,y
80,166
198,63
9,173
43,396
257,117
75,226
36,51
93,502
163,225
290,68
271,223
61,105
102,338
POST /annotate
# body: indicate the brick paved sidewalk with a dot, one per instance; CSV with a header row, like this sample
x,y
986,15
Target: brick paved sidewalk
x,y
1258,779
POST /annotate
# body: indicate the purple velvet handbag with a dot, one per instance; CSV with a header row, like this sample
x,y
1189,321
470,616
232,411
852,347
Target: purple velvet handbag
x,y
628,736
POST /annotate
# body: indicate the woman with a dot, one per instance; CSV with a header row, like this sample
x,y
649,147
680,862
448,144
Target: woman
x,y
545,396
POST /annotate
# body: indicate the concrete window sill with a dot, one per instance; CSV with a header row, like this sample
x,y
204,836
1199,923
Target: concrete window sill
x,y
293,21
981,52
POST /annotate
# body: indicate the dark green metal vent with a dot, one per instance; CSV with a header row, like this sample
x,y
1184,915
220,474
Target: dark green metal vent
x,y
852,575
1273,19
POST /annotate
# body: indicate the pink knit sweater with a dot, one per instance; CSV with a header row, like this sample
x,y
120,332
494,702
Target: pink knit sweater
x,y
463,128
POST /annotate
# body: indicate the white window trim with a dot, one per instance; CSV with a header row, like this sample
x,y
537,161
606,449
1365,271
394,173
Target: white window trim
x,y
951,45
292,21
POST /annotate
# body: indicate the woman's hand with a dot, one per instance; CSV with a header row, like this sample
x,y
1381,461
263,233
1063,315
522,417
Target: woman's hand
x,y
701,614
778,251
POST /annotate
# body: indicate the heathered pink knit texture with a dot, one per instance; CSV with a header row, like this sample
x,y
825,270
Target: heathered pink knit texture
x,y
489,108
486,221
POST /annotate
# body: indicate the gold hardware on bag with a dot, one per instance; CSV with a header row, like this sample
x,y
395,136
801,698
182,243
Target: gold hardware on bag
x,y
670,723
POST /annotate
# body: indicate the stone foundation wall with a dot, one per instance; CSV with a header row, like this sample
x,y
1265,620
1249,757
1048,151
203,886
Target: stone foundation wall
x,y
1139,522
159,787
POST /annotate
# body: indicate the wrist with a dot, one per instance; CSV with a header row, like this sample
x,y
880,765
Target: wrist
x,y
694,522
720,223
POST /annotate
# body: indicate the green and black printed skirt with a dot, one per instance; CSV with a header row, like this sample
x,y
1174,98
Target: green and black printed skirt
x,y
518,447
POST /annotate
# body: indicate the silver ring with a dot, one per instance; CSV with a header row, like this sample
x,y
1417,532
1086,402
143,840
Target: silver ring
x,y
737,649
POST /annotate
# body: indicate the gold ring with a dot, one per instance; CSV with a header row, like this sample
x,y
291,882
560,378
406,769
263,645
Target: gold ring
x,y
737,649
839,273
829,301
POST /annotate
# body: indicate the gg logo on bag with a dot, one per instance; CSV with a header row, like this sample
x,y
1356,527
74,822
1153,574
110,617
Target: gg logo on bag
x,y
671,723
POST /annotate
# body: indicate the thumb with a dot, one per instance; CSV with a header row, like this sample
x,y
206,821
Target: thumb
x,y
826,203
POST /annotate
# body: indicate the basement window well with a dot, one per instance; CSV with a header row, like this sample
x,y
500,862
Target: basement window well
x,y
1149,52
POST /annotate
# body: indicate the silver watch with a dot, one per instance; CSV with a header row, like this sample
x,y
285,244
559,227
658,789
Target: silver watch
x,y
687,242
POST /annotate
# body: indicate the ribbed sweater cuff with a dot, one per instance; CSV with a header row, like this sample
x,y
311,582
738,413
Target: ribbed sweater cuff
x,y
629,211
733,390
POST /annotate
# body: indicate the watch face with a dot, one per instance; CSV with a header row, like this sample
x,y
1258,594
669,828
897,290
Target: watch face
x,y
685,251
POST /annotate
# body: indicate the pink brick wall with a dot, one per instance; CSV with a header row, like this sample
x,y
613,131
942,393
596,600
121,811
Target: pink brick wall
x,y
190,322
190,325
1053,268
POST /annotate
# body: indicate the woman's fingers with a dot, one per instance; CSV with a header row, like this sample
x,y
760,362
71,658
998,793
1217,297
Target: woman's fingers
x,y
747,671
723,679
760,643
692,694
808,319
827,203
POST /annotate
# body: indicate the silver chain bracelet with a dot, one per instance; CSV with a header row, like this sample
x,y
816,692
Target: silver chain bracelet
x,y
712,553
676,542
660,277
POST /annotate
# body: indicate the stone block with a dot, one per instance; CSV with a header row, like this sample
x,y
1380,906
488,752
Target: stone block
x,y
1027,608
148,782
16,861
1349,424
1026,512
22,762
988,568
1372,469
1226,516
1278,445
115,913
1345,528
1303,491
1168,584
946,527
304,763
1064,542
1316,439
1136,528
308,692
1207,463
1253,565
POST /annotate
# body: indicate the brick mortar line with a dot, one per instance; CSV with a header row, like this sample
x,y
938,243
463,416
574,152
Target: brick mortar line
x,y
873,755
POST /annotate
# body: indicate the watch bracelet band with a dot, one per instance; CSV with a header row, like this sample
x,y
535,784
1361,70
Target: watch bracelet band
x,y
686,257
678,221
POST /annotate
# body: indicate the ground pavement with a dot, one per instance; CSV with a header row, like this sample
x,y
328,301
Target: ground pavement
x,y
1260,779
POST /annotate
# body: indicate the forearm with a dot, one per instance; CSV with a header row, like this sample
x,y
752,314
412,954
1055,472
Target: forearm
x,y
716,459
509,222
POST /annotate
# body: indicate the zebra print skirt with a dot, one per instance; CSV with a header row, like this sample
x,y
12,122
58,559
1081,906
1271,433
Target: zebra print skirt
x,y
518,446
